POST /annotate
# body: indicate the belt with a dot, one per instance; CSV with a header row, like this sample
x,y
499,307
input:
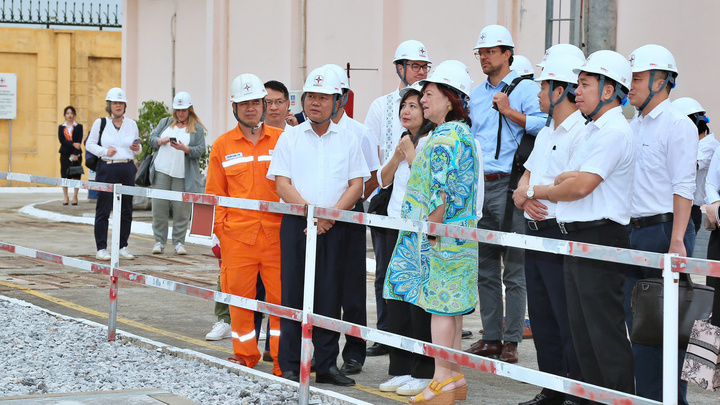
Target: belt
x,y
652,220
540,225
495,176
117,161
569,227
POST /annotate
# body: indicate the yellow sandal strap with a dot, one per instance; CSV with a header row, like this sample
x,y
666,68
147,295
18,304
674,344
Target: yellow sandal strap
x,y
458,377
436,387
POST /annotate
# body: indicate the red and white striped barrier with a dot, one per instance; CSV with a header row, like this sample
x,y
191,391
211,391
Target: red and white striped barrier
x,y
671,265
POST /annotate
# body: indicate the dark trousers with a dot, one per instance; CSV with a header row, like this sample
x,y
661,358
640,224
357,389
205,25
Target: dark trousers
x,y
329,265
354,291
260,296
713,253
120,173
594,291
648,359
547,307
412,321
383,241
696,217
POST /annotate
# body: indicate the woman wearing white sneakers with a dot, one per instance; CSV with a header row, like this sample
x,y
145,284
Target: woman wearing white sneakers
x,y
180,142
115,141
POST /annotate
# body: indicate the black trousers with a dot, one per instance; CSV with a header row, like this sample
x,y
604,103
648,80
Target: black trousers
x,y
696,217
354,291
713,253
594,291
119,173
383,241
548,310
329,265
412,321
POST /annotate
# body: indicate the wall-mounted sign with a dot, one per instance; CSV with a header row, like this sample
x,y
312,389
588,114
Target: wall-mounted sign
x,y
8,96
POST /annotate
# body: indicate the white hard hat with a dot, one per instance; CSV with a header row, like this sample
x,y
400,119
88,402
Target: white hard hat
x,y
559,50
182,101
652,57
344,81
494,35
452,73
417,86
411,50
522,66
116,94
561,68
323,80
609,64
246,87
688,106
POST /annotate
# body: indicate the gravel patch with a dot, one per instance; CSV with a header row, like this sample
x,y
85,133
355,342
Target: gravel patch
x,y
41,353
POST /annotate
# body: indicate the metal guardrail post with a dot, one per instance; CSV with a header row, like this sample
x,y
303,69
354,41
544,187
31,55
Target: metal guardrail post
x,y
670,331
306,351
114,263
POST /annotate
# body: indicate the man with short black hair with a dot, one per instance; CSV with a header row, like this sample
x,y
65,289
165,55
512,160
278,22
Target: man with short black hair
x,y
277,101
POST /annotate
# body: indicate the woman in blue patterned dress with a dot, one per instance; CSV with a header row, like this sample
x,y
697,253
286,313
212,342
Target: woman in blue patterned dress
x,y
436,273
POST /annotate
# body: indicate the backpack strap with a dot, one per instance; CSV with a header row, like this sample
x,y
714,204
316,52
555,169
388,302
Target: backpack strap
x,y
103,123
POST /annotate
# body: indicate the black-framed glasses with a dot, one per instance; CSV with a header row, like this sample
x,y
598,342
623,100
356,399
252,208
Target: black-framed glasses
x,y
416,67
487,53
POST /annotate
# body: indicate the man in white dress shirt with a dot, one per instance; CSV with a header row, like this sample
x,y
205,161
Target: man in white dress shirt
x,y
594,207
666,145
316,163
411,65
554,145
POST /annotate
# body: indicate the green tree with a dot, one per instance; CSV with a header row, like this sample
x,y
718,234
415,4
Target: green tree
x,y
149,114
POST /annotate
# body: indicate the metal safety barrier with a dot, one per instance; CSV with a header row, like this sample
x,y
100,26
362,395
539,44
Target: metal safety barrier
x,y
671,265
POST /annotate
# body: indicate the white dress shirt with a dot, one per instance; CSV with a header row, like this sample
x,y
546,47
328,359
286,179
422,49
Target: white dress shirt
x,y
712,182
383,121
119,139
551,153
706,149
608,150
400,181
366,138
319,167
665,143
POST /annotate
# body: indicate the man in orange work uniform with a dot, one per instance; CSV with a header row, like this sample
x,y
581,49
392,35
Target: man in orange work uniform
x,y
249,240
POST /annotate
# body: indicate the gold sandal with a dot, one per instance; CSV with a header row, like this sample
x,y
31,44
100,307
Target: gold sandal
x,y
441,397
460,392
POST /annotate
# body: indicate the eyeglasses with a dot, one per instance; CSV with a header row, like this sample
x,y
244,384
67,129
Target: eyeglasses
x,y
278,103
416,67
486,52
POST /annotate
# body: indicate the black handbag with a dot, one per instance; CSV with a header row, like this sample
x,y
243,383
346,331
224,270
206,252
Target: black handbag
x,y
90,159
142,178
695,302
379,203
75,171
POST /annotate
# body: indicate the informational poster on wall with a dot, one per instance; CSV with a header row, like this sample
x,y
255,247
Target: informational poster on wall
x,y
8,96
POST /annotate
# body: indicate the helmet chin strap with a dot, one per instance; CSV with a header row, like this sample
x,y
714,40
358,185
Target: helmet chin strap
x,y
252,129
334,112
397,70
618,93
669,79
568,86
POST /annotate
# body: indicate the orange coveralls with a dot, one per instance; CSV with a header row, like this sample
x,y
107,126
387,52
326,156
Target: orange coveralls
x,y
249,240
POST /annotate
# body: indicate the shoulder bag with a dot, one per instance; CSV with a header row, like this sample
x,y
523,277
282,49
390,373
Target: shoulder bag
x,y
90,159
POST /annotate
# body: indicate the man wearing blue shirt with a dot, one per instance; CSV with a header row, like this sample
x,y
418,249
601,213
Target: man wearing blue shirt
x,y
499,123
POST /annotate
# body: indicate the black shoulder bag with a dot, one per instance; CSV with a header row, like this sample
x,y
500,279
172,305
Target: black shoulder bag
x,y
90,159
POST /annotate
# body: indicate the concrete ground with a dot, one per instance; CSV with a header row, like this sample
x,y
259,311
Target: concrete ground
x,y
180,320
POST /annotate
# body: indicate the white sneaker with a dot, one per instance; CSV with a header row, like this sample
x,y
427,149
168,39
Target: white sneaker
x,y
103,254
220,330
158,248
124,253
262,335
180,249
414,386
394,383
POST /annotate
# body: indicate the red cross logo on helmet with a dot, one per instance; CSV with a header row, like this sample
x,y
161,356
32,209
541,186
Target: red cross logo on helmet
x,y
422,51
248,87
180,102
318,80
2,80
482,37
632,60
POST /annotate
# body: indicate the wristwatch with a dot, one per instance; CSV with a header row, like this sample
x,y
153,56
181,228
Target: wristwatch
x,y
530,192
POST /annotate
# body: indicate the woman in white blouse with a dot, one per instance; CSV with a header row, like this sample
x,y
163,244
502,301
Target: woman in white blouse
x,y
115,141
180,142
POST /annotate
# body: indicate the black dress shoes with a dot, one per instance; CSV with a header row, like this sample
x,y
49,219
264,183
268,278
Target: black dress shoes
x,y
291,375
334,377
542,399
351,366
377,349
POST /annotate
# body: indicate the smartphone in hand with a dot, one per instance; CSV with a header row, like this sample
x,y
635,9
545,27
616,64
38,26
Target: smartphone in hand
x,y
173,140
137,141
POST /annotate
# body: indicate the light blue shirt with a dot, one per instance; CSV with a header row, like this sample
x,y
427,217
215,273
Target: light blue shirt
x,y
485,120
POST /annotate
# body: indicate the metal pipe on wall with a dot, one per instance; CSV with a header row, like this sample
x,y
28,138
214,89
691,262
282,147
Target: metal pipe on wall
x,y
173,21
303,46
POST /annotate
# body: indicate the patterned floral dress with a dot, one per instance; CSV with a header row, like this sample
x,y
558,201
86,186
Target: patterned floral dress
x,y
441,279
